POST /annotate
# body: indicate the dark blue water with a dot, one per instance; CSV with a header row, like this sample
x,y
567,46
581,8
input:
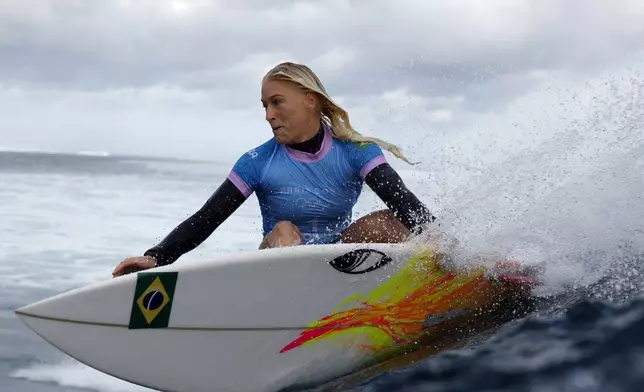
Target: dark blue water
x,y
589,339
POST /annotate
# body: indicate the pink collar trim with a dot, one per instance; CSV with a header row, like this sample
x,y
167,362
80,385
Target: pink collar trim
x,y
307,157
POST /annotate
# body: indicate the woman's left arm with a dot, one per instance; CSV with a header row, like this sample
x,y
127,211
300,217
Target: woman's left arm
x,y
391,189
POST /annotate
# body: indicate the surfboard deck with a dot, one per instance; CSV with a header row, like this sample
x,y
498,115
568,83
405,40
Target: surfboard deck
x,y
266,320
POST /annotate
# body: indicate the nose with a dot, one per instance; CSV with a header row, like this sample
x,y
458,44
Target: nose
x,y
270,114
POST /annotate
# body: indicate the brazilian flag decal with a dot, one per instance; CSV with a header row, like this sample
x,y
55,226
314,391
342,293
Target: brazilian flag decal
x,y
152,299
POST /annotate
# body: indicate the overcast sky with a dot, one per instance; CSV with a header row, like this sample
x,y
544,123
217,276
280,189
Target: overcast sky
x,y
182,78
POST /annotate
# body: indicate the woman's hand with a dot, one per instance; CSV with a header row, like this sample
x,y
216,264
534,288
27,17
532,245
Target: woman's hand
x,y
134,264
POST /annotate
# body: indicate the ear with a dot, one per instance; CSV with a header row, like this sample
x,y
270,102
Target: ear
x,y
310,100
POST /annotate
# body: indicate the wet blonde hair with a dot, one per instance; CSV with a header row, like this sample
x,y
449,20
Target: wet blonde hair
x,y
331,112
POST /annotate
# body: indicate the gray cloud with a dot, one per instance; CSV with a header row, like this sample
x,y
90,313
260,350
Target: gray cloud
x,y
204,59
111,43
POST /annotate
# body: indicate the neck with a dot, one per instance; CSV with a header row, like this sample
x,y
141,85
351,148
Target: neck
x,y
311,144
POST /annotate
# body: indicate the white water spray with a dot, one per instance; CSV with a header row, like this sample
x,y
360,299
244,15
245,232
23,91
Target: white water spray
x,y
565,190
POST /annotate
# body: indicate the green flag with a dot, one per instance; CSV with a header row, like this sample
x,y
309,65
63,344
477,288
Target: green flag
x,y
152,301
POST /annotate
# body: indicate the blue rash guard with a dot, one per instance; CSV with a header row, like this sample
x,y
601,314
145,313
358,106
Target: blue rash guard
x,y
316,192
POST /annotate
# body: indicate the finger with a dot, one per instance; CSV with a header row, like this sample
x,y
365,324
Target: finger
x,y
117,270
122,268
128,270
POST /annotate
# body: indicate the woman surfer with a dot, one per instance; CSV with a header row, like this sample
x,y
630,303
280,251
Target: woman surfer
x,y
307,179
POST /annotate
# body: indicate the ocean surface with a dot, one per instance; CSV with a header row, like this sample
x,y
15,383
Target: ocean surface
x,y
67,219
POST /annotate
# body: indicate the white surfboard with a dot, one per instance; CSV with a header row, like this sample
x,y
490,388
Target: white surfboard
x,y
262,320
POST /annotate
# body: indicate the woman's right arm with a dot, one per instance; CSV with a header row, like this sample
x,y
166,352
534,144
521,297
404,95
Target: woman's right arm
x,y
190,233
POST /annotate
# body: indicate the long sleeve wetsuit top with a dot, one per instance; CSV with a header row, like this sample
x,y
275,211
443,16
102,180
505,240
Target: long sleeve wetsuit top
x,y
314,184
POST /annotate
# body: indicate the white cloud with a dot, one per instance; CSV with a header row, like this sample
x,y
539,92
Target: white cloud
x,y
334,60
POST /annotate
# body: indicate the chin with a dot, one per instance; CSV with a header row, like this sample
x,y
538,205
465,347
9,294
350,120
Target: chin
x,y
281,138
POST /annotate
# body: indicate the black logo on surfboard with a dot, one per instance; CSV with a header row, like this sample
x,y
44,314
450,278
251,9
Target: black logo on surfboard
x,y
360,261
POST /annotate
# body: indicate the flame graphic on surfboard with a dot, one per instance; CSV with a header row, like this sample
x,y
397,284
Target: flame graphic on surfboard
x,y
395,312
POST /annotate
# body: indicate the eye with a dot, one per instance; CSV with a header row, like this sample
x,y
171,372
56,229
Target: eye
x,y
360,261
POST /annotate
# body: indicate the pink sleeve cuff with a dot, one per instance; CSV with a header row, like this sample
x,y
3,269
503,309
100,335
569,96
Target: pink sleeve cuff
x,y
380,159
239,183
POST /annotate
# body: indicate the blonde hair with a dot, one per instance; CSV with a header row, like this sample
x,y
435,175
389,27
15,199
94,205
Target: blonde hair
x,y
331,112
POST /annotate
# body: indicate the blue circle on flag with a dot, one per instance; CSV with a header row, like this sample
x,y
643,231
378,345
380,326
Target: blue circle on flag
x,y
153,300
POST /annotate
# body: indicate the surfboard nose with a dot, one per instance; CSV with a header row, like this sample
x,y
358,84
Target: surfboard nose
x,y
100,303
31,311
30,315
41,307
27,310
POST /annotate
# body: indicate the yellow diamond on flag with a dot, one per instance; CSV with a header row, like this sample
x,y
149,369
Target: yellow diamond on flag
x,y
153,300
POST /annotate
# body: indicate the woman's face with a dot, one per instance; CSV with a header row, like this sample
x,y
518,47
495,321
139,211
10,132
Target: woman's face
x,y
289,111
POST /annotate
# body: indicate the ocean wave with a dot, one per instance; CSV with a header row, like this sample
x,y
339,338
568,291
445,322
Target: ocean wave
x,y
591,346
75,375
55,152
